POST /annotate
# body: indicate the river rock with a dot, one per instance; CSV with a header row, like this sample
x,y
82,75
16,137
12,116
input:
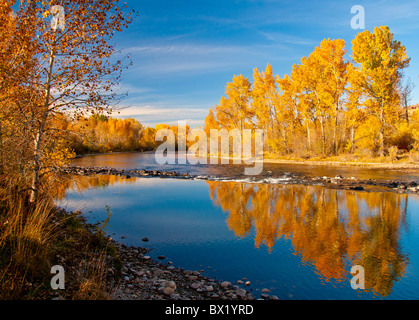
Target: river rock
x,y
168,291
175,296
241,292
196,285
171,284
225,284
158,273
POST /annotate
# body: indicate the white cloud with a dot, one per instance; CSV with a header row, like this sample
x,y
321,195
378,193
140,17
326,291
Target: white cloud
x,y
151,116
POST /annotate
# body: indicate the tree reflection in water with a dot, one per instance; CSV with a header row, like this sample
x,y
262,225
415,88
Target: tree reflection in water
x,y
331,229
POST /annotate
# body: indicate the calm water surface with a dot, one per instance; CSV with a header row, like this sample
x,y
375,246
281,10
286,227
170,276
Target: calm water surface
x,y
286,172
298,241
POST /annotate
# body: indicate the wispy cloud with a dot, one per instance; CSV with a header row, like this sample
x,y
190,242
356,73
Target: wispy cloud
x,y
288,39
151,116
185,48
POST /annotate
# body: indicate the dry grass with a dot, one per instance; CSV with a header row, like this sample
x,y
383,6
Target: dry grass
x,y
33,238
92,279
25,236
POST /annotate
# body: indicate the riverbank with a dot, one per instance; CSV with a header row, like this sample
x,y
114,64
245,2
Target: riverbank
x,y
368,165
91,265
143,278
100,268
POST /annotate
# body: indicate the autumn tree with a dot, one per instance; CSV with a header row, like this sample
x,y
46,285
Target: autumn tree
x,y
379,61
289,116
210,122
327,105
234,111
301,91
76,66
16,65
321,81
331,57
264,96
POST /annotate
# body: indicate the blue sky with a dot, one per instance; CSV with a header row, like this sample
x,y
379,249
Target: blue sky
x,y
184,52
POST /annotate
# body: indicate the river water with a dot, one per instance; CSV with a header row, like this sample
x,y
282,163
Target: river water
x,y
298,241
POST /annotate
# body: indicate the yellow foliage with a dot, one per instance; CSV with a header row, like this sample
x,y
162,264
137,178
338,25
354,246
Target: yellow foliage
x,y
325,226
327,105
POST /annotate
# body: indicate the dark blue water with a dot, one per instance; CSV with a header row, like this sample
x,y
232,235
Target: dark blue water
x,y
298,241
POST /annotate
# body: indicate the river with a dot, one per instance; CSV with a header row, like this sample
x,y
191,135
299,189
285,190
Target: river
x,y
298,241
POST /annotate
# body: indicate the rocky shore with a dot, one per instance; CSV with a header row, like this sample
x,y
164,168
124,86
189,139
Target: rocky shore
x,y
100,268
338,182
143,278
88,171
351,183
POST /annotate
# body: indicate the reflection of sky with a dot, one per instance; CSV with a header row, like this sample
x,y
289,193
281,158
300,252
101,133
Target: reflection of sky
x,y
183,224
409,243
152,206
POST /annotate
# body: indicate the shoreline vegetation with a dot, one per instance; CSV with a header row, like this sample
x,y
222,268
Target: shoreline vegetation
x,y
339,163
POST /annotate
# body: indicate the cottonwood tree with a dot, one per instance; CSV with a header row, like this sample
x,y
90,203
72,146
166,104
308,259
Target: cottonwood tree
x,y
288,114
331,58
234,110
321,78
377,74
76,69
264,97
